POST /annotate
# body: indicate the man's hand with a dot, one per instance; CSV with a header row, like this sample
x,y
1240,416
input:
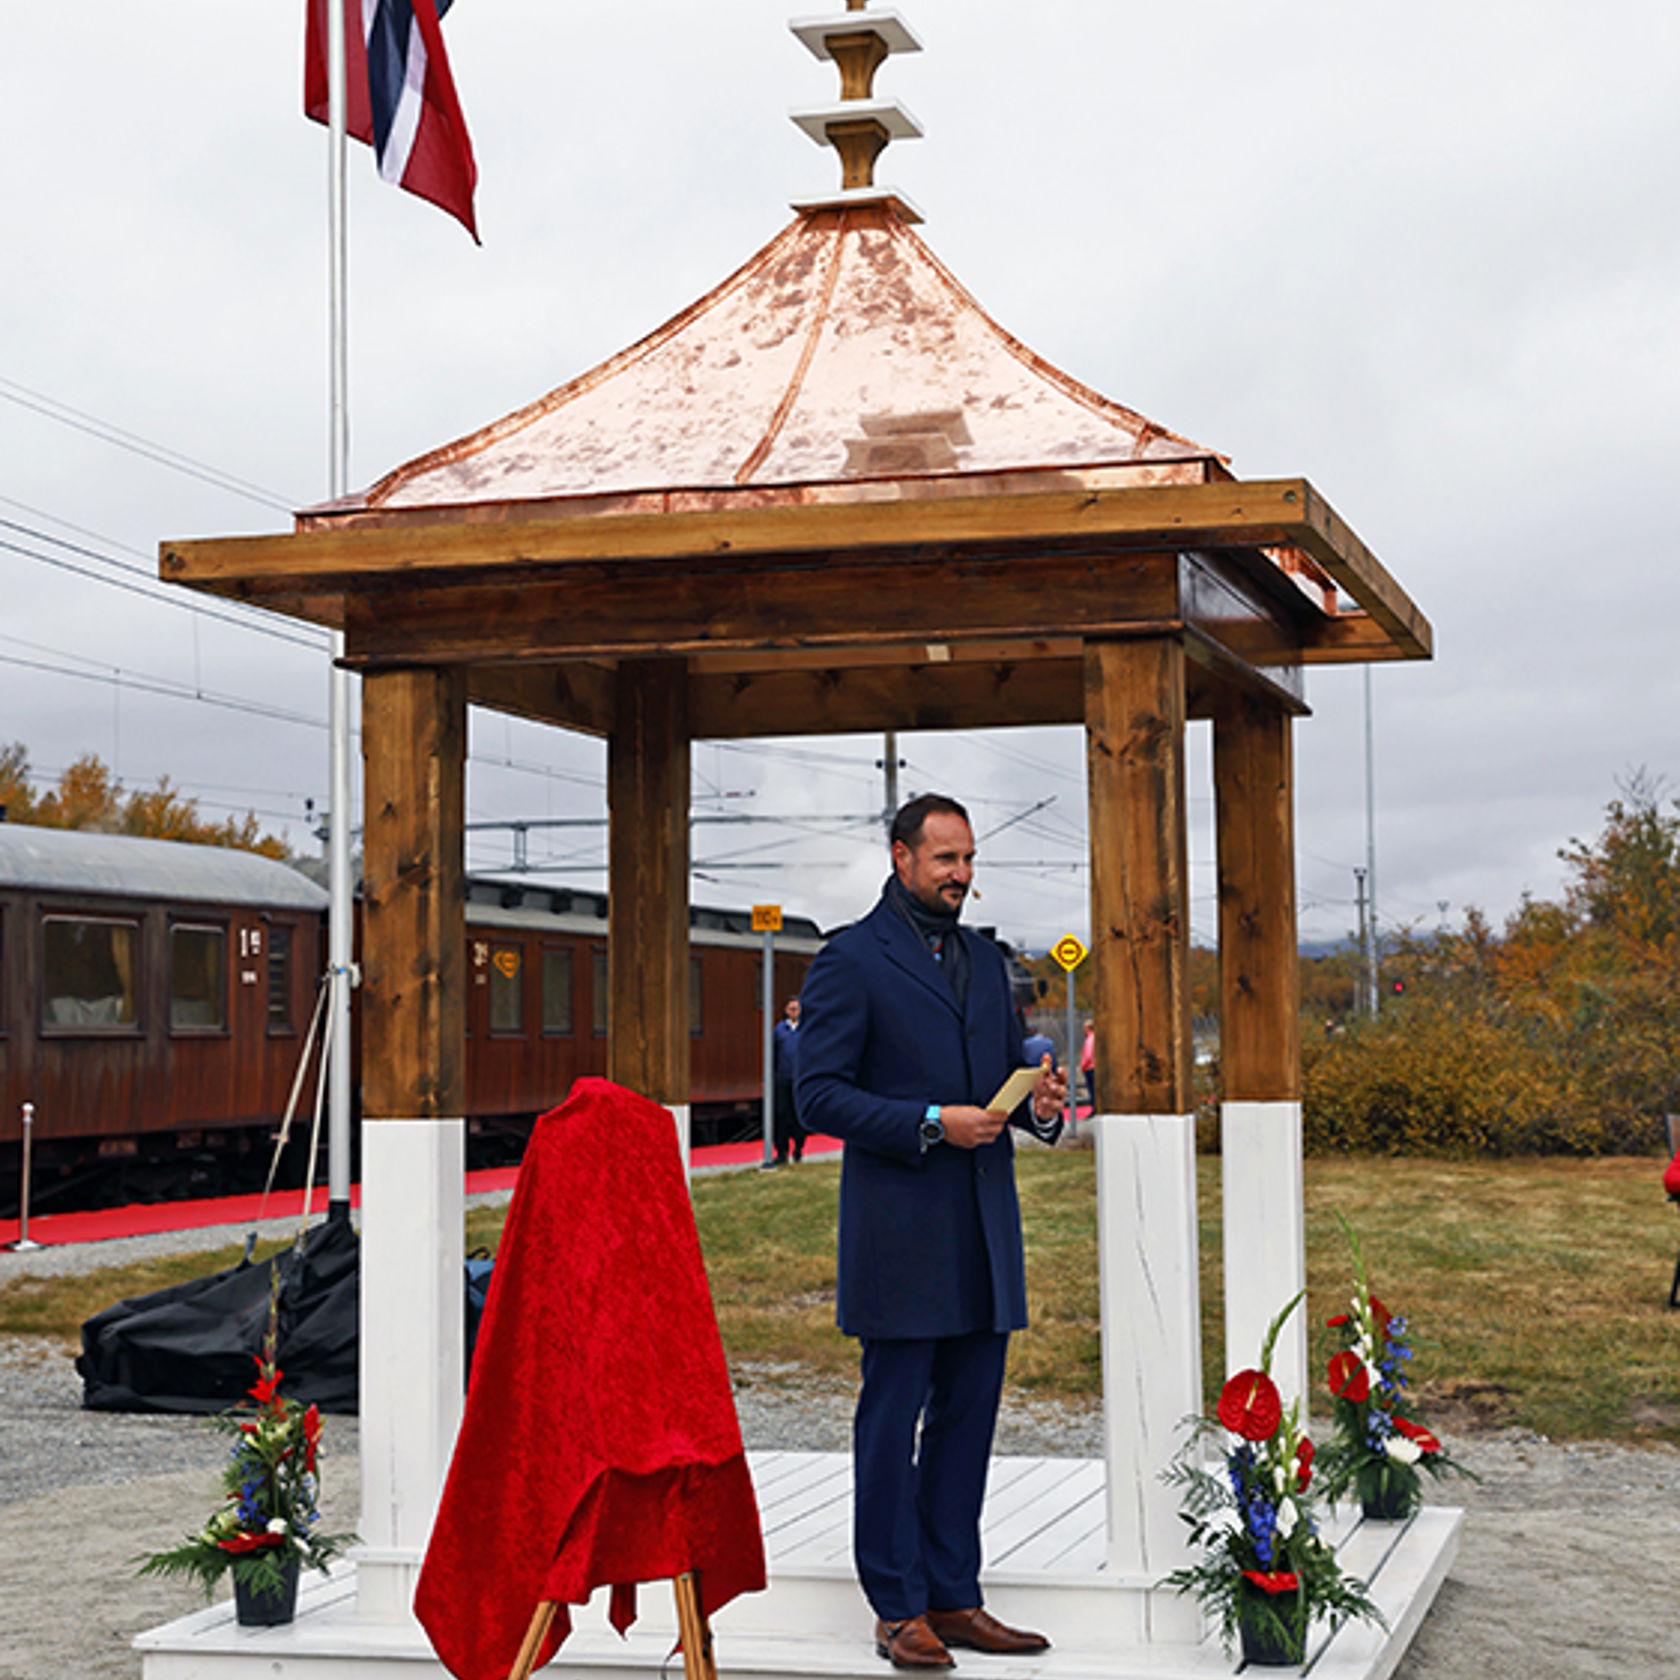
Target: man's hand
x,y
969,1127
1049,1097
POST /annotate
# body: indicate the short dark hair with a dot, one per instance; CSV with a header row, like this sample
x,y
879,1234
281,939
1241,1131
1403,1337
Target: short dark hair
x,y
908,821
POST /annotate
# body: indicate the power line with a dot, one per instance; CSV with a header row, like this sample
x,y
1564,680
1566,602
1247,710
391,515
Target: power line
x,y
118,678
77,420
154,594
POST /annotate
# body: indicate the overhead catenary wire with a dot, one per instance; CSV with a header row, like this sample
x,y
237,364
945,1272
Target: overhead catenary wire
x,y
51,408
153,591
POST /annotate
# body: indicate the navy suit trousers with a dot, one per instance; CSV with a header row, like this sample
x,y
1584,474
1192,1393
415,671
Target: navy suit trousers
x,y
917,1494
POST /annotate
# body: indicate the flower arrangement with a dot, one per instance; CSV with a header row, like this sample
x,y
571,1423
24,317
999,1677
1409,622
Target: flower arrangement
x,y
1266,1574
1379,1449
265,1530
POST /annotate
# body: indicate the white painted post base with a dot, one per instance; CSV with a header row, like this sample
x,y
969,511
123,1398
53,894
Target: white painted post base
x,y
680,1115
412,1353
1151,1345
1265,1238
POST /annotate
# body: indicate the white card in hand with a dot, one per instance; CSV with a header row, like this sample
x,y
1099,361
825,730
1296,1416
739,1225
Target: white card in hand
x,y
1015,1090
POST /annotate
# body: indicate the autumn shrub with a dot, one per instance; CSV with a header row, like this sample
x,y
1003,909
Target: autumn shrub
x,y
1426,1079
1558,1035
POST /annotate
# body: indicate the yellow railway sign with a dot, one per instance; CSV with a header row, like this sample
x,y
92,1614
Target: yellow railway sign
x,y
767,918
1069,952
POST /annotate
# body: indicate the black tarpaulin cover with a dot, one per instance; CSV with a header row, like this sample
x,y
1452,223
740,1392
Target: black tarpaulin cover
x,y
191,1348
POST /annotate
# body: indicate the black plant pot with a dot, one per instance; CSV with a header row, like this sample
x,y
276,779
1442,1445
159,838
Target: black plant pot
x,y
1391,1495
1275,1640
256,1606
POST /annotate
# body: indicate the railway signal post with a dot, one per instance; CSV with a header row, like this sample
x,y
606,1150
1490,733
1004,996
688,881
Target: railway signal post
x,y
767,920
1069,953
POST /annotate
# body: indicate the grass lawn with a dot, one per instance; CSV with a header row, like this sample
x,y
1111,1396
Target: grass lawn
x,y
1537,1289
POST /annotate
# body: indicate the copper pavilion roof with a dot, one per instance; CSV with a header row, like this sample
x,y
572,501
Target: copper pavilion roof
x,y
840,393
843,352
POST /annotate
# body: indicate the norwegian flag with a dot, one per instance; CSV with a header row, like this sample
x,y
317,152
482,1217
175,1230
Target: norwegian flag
x,y
400,98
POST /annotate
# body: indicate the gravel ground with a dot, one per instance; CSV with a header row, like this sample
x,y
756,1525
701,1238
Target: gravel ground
x,y
1566,1570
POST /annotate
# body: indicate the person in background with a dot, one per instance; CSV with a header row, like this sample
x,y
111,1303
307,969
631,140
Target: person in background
x,y
789,1134
1088,1065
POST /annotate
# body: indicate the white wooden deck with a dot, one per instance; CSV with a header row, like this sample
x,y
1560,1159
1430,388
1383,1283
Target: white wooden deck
x,y
1044,1547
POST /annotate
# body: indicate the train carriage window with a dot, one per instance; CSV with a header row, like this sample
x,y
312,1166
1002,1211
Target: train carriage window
x,y
696,1012
279,979
556,992
598,987
197,978
88,972
507,989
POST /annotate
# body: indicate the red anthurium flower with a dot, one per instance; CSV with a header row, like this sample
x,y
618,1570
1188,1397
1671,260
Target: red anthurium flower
x,y
1380,1314
1340,1321
1303,1464
1250,1405
1416,1432
250,1542
1349,1377
311,1437
1272,1580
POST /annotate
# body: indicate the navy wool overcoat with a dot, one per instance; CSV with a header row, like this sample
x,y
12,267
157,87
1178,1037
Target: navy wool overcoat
x,y
930,1240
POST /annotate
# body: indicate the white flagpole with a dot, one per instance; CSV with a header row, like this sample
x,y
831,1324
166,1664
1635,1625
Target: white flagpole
x,y
340,888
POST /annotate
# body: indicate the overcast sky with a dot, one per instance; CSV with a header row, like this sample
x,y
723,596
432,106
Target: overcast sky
x,y
1426,256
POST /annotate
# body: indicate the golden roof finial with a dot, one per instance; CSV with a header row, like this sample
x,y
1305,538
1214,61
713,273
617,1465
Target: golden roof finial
x,y
860,126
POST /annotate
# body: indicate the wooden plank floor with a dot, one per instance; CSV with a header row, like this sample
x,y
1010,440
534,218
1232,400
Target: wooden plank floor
x,y
1041,1514
1044,1538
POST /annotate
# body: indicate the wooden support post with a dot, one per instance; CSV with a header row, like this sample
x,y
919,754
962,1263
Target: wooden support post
x,y
413,909
413,1133
647,960
1140,913
1146,1125
1260,1007
1260,1033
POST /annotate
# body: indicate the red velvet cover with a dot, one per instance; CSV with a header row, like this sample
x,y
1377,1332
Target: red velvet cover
x,y
600,1445
1671,1176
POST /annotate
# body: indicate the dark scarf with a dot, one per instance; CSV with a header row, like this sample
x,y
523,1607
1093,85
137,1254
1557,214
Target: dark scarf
x,y
937,930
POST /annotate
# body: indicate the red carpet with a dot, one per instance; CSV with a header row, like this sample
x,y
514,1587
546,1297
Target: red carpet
x,y
148,1218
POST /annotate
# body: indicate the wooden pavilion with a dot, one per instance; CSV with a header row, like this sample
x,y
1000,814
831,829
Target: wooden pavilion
x,y
835,496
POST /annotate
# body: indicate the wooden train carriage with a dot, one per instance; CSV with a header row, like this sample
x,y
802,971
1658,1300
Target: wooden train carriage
x,y
153,996
537,1000
154,999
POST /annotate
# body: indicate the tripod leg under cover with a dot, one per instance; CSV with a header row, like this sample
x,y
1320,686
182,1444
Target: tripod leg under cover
x,y
692,1627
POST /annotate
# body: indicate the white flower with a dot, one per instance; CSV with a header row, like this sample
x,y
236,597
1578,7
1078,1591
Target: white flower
x,y
1287,1517
1280,1477
276,1525
1401,1450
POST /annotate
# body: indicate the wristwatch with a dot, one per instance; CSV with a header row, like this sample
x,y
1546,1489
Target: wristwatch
x,y
933,1128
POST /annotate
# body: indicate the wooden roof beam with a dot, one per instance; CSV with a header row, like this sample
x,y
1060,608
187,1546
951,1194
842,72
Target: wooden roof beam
x,y
1275,513
631,611
575,695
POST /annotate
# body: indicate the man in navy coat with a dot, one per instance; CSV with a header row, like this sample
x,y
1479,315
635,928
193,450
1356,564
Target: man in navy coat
x,y
908,1029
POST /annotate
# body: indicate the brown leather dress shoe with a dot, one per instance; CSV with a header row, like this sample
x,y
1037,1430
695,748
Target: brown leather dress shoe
x,y
979,1630
912,1644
